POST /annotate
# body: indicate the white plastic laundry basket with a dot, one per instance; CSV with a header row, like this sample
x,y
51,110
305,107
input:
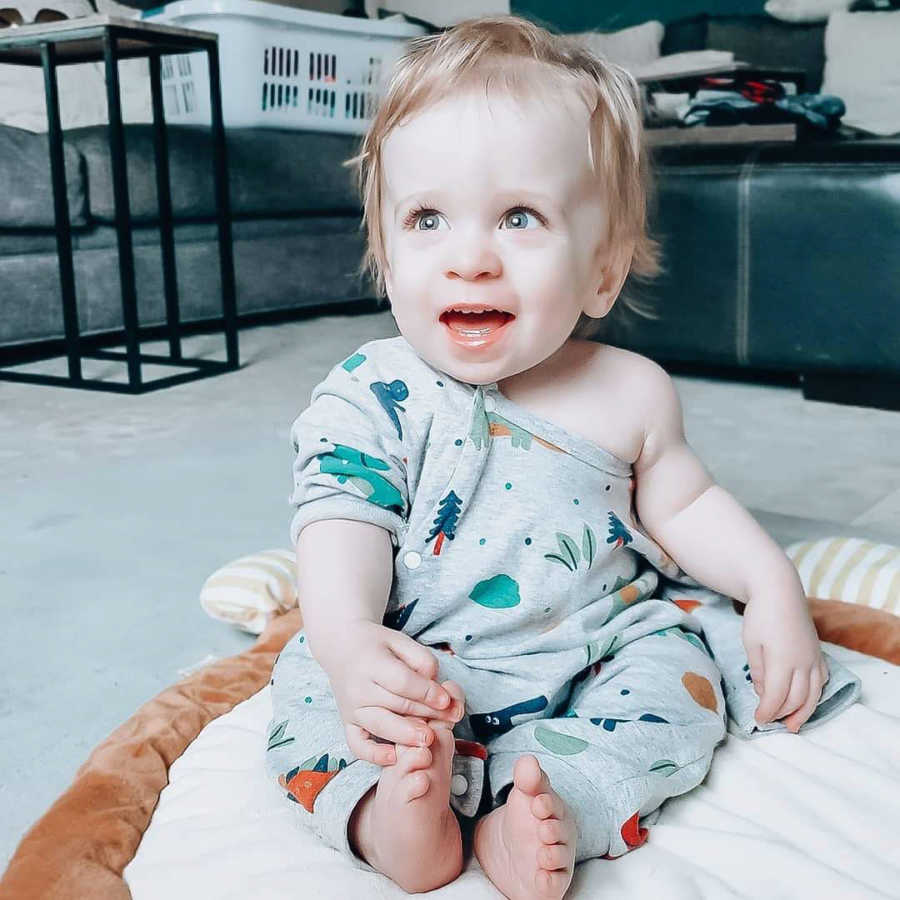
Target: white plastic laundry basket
x,y
281,67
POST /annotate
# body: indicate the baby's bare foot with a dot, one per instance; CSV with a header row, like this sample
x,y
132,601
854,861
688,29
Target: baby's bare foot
x,y
404,826
527,846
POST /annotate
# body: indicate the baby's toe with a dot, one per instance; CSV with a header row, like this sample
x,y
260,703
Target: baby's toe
x,y
552,831
411,759
548,804
414,785
554,856
551,884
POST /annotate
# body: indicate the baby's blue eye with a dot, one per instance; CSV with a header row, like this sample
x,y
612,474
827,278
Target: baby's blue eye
x,y
519,218
428,217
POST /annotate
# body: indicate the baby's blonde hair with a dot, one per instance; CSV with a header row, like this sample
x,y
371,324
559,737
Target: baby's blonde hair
x,y
477,52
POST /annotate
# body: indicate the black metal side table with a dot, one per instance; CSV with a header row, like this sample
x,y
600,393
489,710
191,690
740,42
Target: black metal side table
x,y
107,38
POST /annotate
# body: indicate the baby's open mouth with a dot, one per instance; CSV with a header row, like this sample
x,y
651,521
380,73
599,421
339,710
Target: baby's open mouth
x,y
474,324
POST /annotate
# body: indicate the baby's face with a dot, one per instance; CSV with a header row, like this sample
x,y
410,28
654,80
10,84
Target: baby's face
x,y
514,221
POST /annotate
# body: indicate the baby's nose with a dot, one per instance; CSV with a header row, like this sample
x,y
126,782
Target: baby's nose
x,y
473,258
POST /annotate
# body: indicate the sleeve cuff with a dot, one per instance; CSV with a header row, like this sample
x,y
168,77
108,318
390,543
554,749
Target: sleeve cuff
x,y
346,507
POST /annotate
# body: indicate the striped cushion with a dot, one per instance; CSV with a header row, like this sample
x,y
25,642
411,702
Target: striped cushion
x,y
849,569
252,590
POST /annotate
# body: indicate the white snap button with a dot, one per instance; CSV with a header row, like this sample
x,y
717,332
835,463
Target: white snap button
x,y
412,560
490,404
458,785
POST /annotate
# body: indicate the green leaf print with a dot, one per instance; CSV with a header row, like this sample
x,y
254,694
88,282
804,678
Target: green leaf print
x,y
275,738
556,742
567,545
557,558
588,544
664,767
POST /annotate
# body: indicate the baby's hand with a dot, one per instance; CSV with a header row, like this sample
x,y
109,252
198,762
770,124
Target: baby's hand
x,y
785,656
384,687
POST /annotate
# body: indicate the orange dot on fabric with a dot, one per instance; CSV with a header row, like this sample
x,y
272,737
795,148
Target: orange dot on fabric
x,y
701,690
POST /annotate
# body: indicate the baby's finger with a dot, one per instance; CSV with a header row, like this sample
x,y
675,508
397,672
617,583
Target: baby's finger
x,y
797,694
458,707
794,721
405,730
398,678
778,681
417,657
757,670
363,746
403,706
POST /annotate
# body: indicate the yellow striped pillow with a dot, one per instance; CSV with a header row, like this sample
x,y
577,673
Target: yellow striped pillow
x,y
252,590
849,569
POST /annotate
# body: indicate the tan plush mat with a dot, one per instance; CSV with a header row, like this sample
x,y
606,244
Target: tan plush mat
x,y
81,845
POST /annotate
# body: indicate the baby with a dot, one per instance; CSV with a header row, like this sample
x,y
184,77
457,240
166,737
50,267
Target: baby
x,y
493,632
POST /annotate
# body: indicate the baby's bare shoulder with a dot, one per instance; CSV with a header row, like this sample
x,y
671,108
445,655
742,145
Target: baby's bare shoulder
x,y
630,393
623,372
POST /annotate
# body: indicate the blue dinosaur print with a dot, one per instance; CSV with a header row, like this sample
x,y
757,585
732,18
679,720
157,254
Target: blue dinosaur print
x,y
610,724
349,463
389,396
493,724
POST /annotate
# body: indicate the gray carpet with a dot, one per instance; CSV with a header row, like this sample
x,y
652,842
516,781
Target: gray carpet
x,y
116,509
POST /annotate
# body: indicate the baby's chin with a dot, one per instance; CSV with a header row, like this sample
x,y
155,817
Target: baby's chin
x,y
474,372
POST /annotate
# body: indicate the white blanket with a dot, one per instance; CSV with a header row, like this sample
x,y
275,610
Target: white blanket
x,y
784,816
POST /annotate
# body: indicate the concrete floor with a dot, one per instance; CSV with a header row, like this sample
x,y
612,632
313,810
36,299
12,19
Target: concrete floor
x,y
116,509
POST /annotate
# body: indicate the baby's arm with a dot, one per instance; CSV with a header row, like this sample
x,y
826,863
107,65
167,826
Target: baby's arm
x,y
344,571
717,542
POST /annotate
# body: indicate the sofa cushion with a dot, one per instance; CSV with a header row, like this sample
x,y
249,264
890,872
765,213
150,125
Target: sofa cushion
x,y
272,171
25,183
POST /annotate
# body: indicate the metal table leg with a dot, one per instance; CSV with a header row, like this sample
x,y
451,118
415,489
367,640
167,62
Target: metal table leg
x,y
123,214
61,213
223,210
164,202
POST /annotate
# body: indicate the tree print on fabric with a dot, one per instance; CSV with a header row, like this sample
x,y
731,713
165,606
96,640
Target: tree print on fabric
x,y
397,618
304,783
445,523
361,470
388,396
618,533
569,555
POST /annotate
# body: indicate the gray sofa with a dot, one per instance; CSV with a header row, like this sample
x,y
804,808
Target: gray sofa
x,y
780,258
296,229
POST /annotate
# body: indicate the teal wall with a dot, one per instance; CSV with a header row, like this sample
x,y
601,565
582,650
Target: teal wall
x,y
580,15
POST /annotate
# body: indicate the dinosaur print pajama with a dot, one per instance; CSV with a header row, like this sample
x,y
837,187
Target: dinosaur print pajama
x,y
519,561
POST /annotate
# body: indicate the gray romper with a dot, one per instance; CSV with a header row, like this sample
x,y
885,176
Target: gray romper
x,y
519,561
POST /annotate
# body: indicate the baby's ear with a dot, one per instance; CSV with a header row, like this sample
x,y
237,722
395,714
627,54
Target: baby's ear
x,y
613,268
